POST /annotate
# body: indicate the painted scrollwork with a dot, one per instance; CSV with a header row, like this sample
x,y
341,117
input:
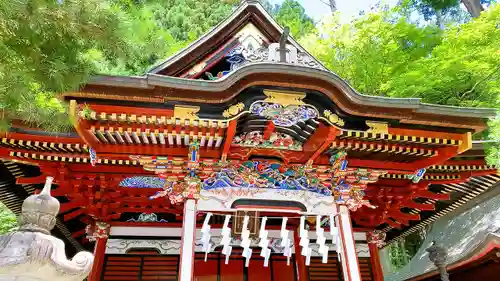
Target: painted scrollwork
x,y
122,246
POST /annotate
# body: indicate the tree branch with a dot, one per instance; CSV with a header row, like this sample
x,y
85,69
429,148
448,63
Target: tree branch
x,y
480,81
325,3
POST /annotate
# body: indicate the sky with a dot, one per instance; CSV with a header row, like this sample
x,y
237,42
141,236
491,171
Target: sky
x,y
316,8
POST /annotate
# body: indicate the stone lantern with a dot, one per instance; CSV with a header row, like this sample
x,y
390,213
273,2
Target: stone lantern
x,y
438,256
31,253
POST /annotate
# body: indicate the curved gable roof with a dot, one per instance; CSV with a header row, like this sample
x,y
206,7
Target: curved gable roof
x,y
247,11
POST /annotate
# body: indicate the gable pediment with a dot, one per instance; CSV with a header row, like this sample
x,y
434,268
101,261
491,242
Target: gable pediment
x,y
248,35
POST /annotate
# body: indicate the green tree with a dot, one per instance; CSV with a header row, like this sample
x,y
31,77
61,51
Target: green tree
x,y
369,51
290,13
464,70
293,15
8,220
383,54
44,49
493,148
187,20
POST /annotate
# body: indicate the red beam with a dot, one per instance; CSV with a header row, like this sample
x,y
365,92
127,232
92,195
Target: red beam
x,y
398,215
393,224
230,132
43,138
443,155
465,162
158,150
65,207
242,153
139,111
418,206
32,180
431,195
317,139
269,130
332,134
73,214
81,127
78,233
144,209
111,169
425,134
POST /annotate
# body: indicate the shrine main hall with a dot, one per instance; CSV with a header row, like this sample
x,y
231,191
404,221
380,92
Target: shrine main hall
x,y
243,158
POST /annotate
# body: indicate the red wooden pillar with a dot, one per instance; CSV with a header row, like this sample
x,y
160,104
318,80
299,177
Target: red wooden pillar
x,y
299,258
378,274
349,257
99,250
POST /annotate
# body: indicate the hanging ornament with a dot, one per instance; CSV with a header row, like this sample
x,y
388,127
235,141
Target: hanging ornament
x,y
205,238
264,242
321,240
334,231
304,237
226,239
245,241
285,241
93,157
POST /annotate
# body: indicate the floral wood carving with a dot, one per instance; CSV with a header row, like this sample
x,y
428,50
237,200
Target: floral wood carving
x,y
285,116
276,141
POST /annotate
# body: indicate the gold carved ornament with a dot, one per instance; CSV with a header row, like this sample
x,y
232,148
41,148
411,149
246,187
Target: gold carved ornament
x,y
284,98
233,110
333,118
186,112
375,127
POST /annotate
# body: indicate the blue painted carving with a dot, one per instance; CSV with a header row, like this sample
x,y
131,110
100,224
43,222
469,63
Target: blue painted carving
x,y
265,175
143,182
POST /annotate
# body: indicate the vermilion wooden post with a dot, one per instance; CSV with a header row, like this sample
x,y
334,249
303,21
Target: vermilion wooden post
x,y
349,257
99,250
299,259
378,274
186,265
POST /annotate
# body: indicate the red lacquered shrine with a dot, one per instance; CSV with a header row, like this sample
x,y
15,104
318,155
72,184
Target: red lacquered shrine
x,y
243,158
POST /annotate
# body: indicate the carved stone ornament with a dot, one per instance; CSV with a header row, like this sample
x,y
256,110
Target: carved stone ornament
x,y
272,54
32,254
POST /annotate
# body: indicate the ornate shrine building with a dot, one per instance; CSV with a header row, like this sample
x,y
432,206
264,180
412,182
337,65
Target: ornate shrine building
x,y
243,158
